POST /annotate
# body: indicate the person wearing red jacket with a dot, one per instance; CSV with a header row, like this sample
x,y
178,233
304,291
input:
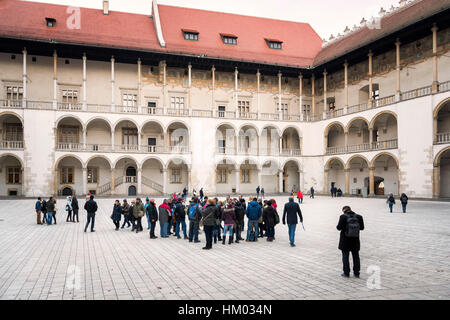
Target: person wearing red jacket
x,y
300,196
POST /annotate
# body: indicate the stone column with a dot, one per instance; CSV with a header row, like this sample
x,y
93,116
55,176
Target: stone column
x,y
84,138
55,181
24,78
236,88
370,137
189,182
139,95
189,87
164,67
325,181
300,182
280,181
300,96
436,181
371,181
258,87
325,143
280,146
112,139
139,181
397,67
280,111
370,80
346,140
325,94
236,144
213,102
164,181
237,176
55,80
435,85
346,86
313,98
347,182
84,83
112,84
435,126
139,139
113,182
85,181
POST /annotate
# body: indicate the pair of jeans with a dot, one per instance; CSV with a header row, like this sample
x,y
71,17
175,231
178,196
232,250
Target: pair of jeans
x,y
208,235
44,217
163,229
391,205
193,231
183,226
75,214
69,216
90,217
292,228
228,228
139,224
149,222
404,207
49,217
237,231
117,224
346,261
252,223
300,200
152,229
126,219
270,233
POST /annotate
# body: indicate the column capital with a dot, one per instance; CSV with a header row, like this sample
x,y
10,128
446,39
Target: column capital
x,y
54,53
236,70
300,76
112,59
345,64
397,42
347,170
24,51
370,54
371,168
434,28
213,68
325,72
279,74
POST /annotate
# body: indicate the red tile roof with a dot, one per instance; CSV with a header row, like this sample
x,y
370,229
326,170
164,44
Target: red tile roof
x,y
23,19
390,23
300,42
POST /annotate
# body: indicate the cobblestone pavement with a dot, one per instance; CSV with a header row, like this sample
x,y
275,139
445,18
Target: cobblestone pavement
x,y
411,252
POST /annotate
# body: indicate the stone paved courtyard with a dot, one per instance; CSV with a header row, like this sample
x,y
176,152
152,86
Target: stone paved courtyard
x,y
62,262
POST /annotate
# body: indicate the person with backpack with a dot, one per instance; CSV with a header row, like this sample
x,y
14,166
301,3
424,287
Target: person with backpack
x,y
228,218
91,208
291,210
270,219
164,211
253,213
38,208
350,224
300,197
404,201
194,217
75,208
51,208
209,214
126,213
116,214
390,201
180,218
69,209
153,216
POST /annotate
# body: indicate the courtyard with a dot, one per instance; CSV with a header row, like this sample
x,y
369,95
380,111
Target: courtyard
x,y
403,256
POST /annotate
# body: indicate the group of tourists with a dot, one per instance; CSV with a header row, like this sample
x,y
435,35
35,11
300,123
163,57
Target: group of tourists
x,y
46,210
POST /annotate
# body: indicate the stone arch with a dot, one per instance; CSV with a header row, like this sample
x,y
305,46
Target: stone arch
x,y
226,124
11,113
437,159
372,163
248,125
347,165
327,165
13,156
163,129
355,119
297,162
153,158
125,157
188,128
299,132
175,160
99,156
83,165
126,119
68,116
374,119
273,126
228,161
328,127
88,122
439,106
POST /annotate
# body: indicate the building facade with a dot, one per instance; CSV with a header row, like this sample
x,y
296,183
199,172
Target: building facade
x,y
121,104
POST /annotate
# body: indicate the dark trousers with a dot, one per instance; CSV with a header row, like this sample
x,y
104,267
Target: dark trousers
x,y
44,217
152,229
261,227
54,216
270,233
139,224
126,219
117,224
209,235
90,217
237,232
193,231
346,261
69,215
75,214
404,207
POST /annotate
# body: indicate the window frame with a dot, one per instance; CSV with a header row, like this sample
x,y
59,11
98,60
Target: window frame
x,y
15,174
61,176
222,176
95,175
172,175
190,35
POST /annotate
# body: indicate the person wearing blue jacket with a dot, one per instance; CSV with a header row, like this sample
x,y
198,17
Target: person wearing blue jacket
x,y
253,214
38,208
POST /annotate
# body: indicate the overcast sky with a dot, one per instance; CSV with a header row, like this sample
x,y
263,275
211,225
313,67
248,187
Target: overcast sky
x,y
325,16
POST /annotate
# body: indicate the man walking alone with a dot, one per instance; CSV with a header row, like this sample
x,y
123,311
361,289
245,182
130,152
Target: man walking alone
x,y
291,209
91,208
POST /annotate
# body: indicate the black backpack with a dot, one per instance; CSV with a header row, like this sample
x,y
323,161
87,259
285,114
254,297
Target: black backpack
x,y
353,226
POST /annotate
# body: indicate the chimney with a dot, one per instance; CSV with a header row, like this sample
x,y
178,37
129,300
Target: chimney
x,y
105,7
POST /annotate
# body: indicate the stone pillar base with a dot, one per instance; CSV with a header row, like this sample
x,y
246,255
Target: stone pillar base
x,y
435,87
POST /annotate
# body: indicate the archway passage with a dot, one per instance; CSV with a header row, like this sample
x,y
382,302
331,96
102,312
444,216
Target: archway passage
x,y
336,175
67,191
132,191
291,177
335,139
384,133
69,134
226,139
10,176
358,170
69,175
98,136
385,170
443,124
269,179
269,141
152,176
12,132
441,174
226,182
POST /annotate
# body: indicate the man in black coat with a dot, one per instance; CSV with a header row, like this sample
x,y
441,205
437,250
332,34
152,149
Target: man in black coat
x,y
75,208
153,216
349,244
91,208
291,209
180,219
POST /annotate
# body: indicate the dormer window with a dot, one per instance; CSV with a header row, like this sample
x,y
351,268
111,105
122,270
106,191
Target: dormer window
x,y
190,35
274,44
50,22
229,39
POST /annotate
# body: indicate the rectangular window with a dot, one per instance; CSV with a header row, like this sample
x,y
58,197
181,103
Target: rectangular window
x,y
229,40
221,111
129,102
375,94
68,134
14,93
307,109
221,145
67,176
129,136
177,103
13,132
92,175
221,175
244,109
151,107
176,175
69,96
190,36
284,109
274,45
245,175
13,175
